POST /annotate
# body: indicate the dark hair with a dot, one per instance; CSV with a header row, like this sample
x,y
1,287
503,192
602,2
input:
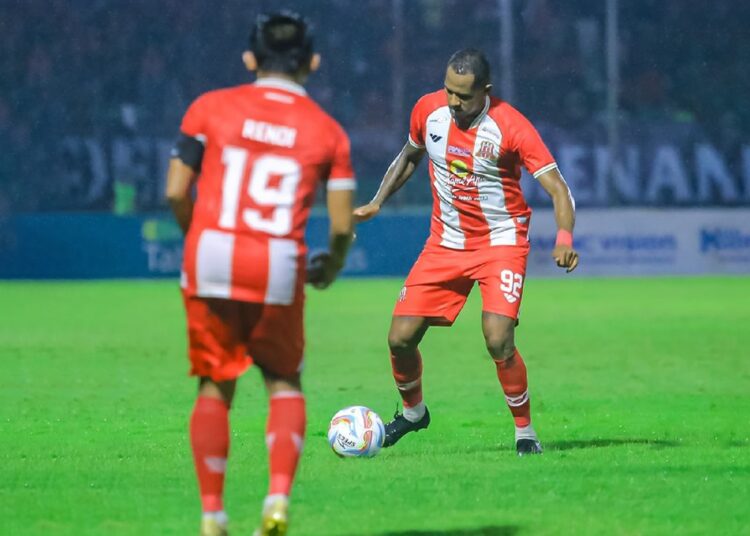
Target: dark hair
x,y
281,42
471,61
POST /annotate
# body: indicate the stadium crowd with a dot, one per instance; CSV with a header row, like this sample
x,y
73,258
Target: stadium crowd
x,y
109,69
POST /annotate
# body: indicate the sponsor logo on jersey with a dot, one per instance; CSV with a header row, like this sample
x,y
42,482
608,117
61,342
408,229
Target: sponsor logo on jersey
x,y
486,150
263,132
459,168
458,151
461,176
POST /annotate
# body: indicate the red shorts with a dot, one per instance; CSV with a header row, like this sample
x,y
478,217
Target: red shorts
x,y
227,336
440,281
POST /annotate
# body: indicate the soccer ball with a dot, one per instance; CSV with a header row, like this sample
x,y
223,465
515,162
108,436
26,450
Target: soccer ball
x,y
356,431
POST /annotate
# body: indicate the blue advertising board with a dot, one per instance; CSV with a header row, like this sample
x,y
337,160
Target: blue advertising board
x,y
610,241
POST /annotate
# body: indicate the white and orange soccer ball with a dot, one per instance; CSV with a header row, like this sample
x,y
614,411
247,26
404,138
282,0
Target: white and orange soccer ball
x,y
356,431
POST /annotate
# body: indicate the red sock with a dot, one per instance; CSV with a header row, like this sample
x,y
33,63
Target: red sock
x,y
285,432
209,437
408,375
512,375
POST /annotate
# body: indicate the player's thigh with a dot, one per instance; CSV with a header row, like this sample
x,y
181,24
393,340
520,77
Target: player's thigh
x,y
216,342
276,340
436,287
501,280
439,302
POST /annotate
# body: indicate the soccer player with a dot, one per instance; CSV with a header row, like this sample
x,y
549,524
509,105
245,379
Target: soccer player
x,y
476,145
256,154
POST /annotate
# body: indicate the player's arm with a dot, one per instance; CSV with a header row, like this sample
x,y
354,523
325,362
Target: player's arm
x,y
400,170
324,267
525,139
340,204
180,179
562,200
184,168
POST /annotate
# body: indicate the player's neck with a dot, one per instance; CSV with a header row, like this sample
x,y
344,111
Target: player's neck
x,y
295,79
466,123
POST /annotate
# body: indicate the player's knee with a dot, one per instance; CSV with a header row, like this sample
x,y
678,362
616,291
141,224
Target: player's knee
x,y
401,343
500,346
405,335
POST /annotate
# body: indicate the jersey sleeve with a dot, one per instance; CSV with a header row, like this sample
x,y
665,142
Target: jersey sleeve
x,y
416,125
341,176
194,120
525,140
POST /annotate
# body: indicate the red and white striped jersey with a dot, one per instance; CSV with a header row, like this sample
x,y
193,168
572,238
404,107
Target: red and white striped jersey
x,y
475,173
267,147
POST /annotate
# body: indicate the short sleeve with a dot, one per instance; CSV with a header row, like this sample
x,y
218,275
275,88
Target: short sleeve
x,y
534,154
341,176
193,122
416,125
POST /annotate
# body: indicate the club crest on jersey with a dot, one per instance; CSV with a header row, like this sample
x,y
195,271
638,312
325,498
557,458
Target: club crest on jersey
x,y
486,150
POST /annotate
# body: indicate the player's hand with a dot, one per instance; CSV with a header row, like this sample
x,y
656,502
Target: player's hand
x,y
565,257
322,270
366,212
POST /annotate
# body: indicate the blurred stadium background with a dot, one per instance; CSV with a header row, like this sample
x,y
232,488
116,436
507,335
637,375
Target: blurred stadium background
x,y
643,102
640,384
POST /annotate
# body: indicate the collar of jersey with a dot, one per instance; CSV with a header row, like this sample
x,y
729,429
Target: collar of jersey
x,y
478,119
281,83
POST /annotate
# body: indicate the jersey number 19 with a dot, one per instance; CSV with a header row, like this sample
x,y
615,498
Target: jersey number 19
x,y
259,188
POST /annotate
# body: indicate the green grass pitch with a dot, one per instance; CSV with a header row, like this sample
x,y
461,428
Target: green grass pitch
x,y
640,394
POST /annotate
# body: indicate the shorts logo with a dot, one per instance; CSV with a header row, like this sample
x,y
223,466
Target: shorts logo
x,y
486,150
435,138
458,151
511,285
402,294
